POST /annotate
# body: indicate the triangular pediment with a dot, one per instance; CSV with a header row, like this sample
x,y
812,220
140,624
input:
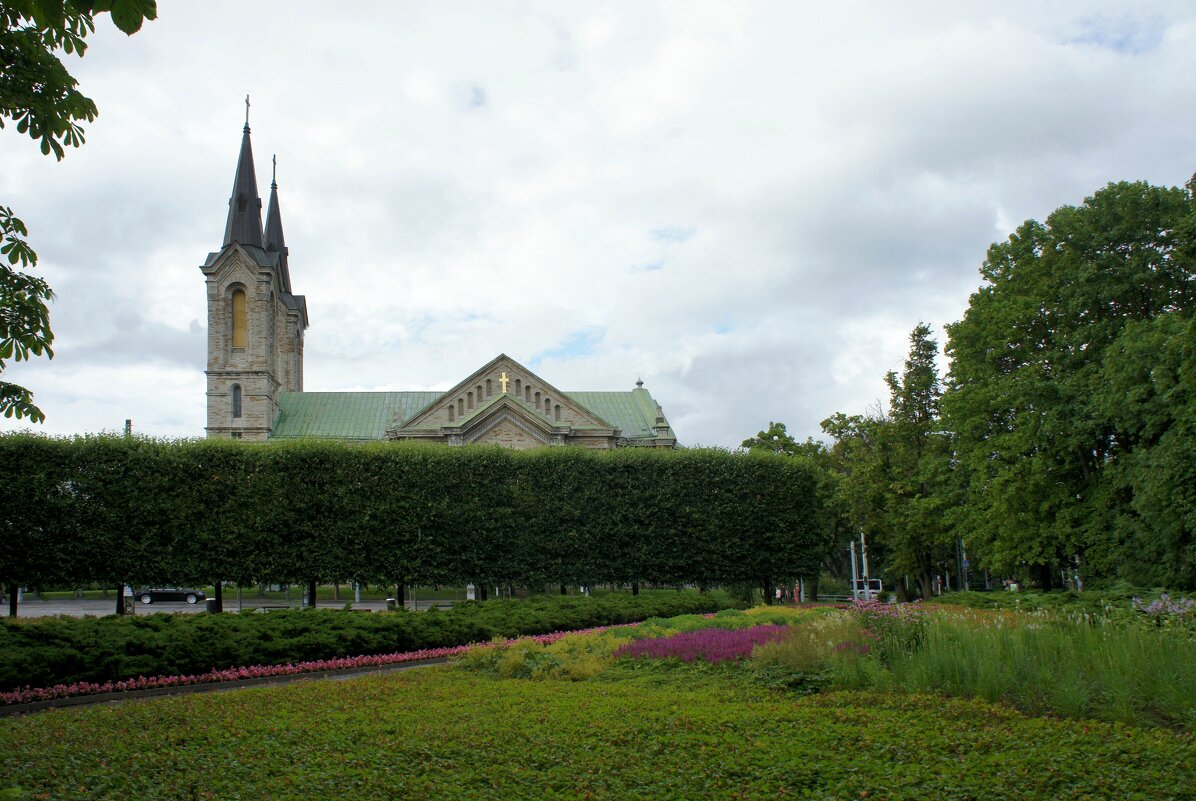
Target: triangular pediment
x,y
504,386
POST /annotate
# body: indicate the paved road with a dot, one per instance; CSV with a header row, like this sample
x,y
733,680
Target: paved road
x,y
30,607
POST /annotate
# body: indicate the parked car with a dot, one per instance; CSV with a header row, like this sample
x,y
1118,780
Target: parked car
x,y
151,595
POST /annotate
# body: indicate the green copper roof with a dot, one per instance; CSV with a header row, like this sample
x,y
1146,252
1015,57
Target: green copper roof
x,y
634,412
345,415
368,415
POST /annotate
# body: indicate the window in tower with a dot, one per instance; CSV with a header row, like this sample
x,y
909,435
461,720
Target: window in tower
x,y
236,400
240,319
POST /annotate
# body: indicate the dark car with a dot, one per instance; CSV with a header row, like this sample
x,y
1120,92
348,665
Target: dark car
x,y
156,594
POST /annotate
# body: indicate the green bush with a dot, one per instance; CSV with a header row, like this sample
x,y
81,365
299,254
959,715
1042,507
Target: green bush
x,y
65,650
119,510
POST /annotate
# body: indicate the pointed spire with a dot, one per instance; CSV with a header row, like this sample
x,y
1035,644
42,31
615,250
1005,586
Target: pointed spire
x,y
244,206
275,241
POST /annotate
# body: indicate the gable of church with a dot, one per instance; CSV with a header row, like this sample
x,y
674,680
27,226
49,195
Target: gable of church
x,y
505,392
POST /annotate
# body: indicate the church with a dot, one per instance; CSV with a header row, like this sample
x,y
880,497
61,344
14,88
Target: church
x,y
255,391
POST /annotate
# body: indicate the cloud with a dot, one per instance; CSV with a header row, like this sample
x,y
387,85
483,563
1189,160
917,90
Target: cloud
x,y
747,205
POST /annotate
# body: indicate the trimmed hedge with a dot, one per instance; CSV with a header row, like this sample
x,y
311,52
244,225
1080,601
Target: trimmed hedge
x,y
145,512
65,650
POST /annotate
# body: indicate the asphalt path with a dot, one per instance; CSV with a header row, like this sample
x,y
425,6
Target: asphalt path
x,y
79,607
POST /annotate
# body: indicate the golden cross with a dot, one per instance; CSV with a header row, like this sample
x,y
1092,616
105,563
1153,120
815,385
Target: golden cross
x,y
502,379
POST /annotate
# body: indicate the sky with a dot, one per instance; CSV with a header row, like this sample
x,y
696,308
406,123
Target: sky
x,y
747,205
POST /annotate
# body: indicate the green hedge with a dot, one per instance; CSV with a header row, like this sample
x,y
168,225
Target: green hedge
x,y
63,650
142,511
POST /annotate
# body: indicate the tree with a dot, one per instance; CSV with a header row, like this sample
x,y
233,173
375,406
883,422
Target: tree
x,y
918,496
1038,446
24,316
776,440
38,93
1148,502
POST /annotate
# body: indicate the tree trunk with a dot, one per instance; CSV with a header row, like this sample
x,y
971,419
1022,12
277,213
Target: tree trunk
x,y
481,591
401,595
218,596
769,591
635,588
1045,574
13,589
927,583
311,593
564,590
120,599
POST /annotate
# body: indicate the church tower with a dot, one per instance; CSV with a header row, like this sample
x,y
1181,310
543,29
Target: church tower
x,y
255,323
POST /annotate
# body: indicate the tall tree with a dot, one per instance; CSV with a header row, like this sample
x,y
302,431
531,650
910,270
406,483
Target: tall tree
x,y
38,93
919,489
1028,370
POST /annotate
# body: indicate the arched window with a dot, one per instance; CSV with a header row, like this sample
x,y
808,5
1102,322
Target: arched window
x,y
518,387
461,406
557,412
236,400
527,394
489,388
547,406
240,319
537,400
452,416
469,400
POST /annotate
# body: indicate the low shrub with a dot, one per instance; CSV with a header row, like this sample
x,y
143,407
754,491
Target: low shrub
x,y
69,650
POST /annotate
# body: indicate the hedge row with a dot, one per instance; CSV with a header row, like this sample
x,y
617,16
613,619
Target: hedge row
x,y
144,512
64,650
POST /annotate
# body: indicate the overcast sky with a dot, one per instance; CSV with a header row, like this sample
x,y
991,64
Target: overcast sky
x,y
747,205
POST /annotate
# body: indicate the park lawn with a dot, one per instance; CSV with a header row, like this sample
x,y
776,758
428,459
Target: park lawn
x,y
630,733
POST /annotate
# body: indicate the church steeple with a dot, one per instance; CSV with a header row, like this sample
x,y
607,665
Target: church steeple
x,y
244,206
275,241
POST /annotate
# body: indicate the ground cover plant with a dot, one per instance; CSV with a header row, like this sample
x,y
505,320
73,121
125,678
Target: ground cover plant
x,y
49,652
691,731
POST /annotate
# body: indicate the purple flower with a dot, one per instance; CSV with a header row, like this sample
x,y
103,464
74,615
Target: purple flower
x,y
712,645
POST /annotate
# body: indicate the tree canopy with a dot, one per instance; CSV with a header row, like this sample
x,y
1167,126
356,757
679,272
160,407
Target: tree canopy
x,y
42,98
1067,387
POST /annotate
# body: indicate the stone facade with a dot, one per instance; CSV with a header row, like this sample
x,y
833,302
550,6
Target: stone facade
x,y
506,403
272,357
246,373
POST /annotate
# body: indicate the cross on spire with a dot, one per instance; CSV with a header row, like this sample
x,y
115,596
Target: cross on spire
x,y
247,112
274,170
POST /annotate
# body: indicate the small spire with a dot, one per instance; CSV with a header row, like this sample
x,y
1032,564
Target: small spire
x,y
275,241
274,171
639,382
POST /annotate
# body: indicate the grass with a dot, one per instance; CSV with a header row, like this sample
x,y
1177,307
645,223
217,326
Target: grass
x,y
1074,666
665,733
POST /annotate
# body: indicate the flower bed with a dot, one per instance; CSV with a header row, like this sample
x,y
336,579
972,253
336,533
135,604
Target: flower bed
x,y
27,695
713,645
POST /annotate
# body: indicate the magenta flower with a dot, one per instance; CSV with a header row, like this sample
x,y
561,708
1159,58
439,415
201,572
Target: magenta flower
x,y
712,645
